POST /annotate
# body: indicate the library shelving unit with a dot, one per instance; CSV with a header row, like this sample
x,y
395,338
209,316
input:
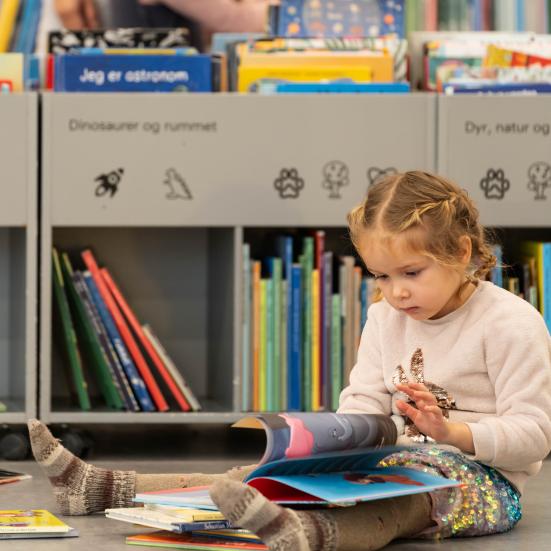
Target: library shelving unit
x,y
18,261
165,188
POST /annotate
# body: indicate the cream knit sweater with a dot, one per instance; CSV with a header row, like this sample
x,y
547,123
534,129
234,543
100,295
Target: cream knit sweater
x,y
488,363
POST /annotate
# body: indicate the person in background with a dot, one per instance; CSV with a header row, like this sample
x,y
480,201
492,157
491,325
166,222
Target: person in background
x,y
203,17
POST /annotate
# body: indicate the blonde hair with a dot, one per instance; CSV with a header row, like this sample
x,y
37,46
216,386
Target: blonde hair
x,y
415,199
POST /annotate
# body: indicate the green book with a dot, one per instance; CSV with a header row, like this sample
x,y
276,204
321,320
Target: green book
x,y
270,367
3,407
284,344
90,343
307,267
66,331
336,351
262,348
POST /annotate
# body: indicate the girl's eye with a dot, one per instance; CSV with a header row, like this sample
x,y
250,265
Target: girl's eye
x,y
380,276
412,274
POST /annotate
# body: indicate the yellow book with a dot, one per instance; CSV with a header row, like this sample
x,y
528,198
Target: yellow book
x,y
316,379
380,63
249,77
8,16
12,70
263,348
534,249
36,521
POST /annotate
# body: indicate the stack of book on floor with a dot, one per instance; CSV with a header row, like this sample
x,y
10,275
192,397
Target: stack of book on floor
x,y
102,337
188,519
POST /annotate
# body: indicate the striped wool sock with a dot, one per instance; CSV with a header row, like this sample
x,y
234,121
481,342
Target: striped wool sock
x,y
79,488
281,529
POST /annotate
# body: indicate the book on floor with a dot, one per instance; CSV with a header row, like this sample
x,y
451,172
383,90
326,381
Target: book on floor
x,y
32,523
320,459
192,541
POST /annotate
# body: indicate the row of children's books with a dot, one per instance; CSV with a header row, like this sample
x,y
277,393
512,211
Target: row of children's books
x,y
304,310
103,339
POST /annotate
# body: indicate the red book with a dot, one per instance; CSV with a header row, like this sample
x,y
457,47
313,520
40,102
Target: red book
x,y
138,331
124,330
49,77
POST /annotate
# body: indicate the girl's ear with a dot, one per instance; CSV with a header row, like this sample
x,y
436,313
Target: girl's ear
x,y
465,249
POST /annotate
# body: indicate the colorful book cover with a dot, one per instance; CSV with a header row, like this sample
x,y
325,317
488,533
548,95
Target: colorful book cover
x,y
30,521
12,71
138,73
312,18
327,458
138,332
69,336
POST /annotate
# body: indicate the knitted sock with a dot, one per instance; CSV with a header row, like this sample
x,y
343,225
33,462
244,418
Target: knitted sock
x,y
365,527
79,488
281,529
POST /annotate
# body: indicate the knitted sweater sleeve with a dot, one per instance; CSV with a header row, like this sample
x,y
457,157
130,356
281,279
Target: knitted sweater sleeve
x,y
518,358
367,391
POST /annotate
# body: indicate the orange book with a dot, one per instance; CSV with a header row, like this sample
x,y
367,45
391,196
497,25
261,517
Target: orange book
x,y
138,331
124,330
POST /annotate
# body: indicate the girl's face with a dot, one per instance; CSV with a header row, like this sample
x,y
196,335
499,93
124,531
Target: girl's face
x,y
412,282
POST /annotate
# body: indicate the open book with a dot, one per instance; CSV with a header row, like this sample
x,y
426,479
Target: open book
x,y
319,459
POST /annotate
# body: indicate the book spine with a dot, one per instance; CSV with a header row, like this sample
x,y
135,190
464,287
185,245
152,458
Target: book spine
x,y
97,360
336,351
270,367
138,386
308,260
172,369
69,335
182,527
117,372
318,365
246,320
137,328
316,383
276,304
283,406
294,388
262,348
8,18
256,269
327,322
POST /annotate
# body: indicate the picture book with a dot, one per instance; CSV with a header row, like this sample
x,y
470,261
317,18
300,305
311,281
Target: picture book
x,y
338,18
192,541
166,521
35,523
321,459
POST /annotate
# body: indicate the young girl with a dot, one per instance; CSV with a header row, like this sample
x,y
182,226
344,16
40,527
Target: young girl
x,y
462,366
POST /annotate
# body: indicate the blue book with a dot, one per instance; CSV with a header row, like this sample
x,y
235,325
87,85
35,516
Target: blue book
x,y
136,382
498,88
325,458
343,86
133,73
294,386
285,252
327,321
25,37
350,18
497,271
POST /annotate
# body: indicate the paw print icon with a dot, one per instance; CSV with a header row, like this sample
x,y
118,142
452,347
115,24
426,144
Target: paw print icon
x,y
494,184
289,184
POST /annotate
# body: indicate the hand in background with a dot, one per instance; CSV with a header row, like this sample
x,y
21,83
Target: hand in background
x,y
426,415
77,14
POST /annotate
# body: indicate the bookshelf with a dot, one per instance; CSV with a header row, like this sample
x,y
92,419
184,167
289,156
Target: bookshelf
x,y
182,181
18,256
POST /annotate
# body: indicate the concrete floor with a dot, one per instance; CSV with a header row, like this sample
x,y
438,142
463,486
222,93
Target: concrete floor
x,y
99,533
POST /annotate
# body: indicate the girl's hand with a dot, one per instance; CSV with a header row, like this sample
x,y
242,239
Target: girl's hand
x,y
426,415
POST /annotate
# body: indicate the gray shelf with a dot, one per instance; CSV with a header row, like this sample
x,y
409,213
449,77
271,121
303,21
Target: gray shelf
x,y
498,148
171,180
18,256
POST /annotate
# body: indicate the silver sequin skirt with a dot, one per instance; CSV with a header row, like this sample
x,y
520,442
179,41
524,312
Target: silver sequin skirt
x,y
487,504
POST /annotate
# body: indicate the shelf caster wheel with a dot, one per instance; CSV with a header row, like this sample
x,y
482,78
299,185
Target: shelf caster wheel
x,y
77,441
14,446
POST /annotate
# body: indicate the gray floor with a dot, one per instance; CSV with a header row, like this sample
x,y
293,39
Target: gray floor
x,y
99,533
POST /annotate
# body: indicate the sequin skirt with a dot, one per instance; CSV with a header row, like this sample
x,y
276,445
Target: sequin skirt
x,y
487,504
